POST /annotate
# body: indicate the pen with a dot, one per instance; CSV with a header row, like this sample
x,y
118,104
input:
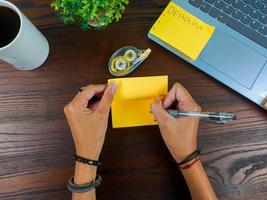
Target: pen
x,y
217,117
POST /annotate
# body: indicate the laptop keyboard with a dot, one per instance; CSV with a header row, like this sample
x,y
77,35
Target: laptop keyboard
x,y
248,17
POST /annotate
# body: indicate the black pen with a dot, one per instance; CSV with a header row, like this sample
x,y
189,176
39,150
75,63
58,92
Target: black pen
x,y
217,117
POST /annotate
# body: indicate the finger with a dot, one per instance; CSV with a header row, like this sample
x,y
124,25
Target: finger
x,y
158,111
97,94
188,106
177,93
107,98
91,90
88,93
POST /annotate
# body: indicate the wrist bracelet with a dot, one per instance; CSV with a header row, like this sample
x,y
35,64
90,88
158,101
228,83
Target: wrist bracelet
x,y
86,161
193,155
84,187
190,164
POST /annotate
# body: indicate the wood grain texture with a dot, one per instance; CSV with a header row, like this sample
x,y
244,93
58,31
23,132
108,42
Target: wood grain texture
x,y
36,145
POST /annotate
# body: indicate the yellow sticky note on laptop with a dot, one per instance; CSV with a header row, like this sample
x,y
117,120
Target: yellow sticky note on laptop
x,y
181,30
131,104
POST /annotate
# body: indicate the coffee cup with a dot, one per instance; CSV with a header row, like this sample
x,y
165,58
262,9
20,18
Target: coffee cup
x,y
21,43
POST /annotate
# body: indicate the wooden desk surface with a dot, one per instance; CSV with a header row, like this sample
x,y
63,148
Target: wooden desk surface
x,y
36,145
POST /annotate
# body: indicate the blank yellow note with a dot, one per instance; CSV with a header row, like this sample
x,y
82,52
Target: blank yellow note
x,y
131,104
182,30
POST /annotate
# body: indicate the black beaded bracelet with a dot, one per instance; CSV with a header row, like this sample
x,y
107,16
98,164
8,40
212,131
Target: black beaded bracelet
x,y
86,160
193,155
84,187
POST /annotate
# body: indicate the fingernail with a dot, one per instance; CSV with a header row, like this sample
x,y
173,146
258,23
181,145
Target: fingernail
x,y
81,89
114,87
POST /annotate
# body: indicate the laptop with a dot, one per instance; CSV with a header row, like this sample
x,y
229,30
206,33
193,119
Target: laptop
x,y
236,54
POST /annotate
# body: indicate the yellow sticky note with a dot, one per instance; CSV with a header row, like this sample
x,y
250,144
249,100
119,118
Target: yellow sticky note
x,y
131,104
181,30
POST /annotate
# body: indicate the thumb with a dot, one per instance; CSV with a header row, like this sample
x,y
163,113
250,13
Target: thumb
x,y
107,98
158,111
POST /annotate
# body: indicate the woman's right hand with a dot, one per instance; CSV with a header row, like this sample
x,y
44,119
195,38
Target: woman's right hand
x,y
179,134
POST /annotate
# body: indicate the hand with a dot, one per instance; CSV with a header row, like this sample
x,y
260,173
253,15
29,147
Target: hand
x,y
179,134
88,120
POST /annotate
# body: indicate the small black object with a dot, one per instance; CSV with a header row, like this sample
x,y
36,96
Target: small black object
x,y
84,187
86,161
193,155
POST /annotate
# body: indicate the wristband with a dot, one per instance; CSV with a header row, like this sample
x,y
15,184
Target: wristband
x,y
190,164
86,161
84,187
193,155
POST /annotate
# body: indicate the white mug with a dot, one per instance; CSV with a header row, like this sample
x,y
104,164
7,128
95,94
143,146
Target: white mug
x,y
29,49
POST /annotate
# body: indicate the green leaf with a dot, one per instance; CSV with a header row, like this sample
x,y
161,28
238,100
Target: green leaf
x,y
81,11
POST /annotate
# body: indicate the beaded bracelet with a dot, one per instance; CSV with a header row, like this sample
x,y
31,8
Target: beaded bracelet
x,y
193,155
86,160
84,187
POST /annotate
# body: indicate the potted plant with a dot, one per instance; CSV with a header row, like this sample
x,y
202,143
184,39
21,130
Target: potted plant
x,y
90,13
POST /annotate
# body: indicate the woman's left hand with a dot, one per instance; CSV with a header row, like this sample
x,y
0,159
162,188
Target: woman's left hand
x,y
88,120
